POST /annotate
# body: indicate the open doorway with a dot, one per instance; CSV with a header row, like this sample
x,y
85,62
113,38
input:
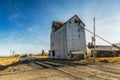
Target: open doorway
x,y
53,53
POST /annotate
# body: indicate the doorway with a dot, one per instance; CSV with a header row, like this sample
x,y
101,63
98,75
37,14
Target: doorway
x,y
53,53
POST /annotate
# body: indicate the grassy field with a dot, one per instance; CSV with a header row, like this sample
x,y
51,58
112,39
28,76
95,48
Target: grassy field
x,y
8,61
42,57
111,60
104,59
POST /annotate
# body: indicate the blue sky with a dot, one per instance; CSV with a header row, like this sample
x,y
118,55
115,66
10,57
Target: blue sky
x,y
25,25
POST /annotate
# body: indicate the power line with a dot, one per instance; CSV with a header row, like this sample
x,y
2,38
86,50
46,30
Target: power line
x,y
103,39
98,36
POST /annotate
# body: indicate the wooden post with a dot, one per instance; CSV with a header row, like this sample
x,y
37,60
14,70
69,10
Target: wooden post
x,y
94,36
94,40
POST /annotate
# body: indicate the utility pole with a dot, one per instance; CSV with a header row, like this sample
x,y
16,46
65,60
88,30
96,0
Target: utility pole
x,y
10,52
94,36
94,40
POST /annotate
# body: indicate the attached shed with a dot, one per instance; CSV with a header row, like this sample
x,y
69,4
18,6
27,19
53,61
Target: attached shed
x,y
106,51
77,55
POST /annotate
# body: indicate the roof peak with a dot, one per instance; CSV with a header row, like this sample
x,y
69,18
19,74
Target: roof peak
x,y
58,24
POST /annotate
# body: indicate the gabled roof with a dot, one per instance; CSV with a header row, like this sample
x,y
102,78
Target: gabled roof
x,y
62,23
77,17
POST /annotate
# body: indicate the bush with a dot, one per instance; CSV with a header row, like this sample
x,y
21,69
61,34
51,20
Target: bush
x,y
30,54
105,60
24,55
16,56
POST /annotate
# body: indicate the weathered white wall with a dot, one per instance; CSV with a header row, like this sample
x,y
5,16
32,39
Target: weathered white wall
x,y
75,38
58,38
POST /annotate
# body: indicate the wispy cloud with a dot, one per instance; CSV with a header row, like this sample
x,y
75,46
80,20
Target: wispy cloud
x,y
20,24
15,16
107,20
30,29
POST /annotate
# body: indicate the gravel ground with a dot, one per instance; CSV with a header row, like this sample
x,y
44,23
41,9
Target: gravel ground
x,y
36,69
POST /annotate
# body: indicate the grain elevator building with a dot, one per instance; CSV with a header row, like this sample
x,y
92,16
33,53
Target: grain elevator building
x,y
67,40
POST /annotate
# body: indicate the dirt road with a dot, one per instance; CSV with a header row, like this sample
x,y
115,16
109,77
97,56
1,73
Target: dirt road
x,y
37,69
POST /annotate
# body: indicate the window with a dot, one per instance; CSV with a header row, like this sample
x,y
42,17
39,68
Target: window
x,y
79,35
80,28
77,21
52,44
72,29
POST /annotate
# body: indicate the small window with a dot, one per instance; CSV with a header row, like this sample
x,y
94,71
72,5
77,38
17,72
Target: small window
x,y
72,29
77,21
80,28
52,44
70,22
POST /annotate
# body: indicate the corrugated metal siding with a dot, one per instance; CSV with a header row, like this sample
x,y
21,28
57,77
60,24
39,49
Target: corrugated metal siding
x,y
74,42
59,39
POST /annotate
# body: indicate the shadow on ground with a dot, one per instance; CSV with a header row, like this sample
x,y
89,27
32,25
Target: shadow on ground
x,y
38,61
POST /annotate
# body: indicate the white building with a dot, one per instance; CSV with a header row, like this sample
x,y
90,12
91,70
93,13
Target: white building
x,y
68,39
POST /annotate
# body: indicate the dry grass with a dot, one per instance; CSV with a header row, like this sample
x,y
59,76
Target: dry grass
x,y
104,59
42,57
110,59
8,61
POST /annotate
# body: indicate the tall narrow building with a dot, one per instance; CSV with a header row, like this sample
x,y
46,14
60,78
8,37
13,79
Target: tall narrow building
x,y
67,39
